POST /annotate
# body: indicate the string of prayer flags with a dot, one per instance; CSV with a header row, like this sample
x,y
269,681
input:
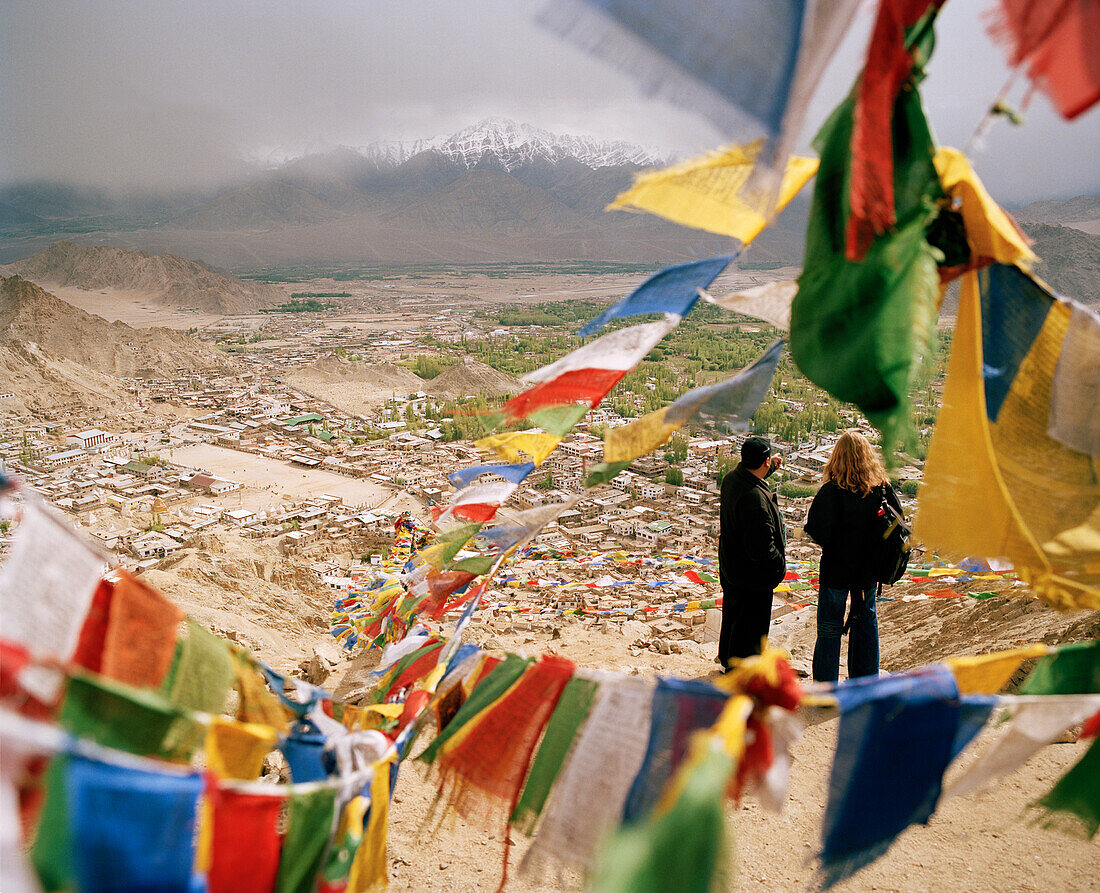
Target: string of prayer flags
x,y
47,582
895,54
707,193
991,234
513,446
569,714
730,403
309,823
910,720
770,302
512,473
672,291
135,828
205,672
141,633
1076,795
476,503
1037,498
856,326
521,528
447,544
1057,43
1034,722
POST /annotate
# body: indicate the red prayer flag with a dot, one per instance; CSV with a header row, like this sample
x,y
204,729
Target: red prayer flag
x,y
141,634
245,841
575,386
89,647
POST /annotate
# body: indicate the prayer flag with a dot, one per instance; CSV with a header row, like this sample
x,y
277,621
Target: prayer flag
x,y
569,713
1075,394
1073,669
512,473
672,291
1077,794
131,829
522,526
476,503
1057,42
369,867
309,826
908,720
856,326
707,193
245,842
513,446
681,707
237,749
141,633
770,302
447,544
987,674
47,582
205,672
730,403
303,748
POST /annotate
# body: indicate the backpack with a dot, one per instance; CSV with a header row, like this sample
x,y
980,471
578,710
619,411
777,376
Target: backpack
x,y
890,549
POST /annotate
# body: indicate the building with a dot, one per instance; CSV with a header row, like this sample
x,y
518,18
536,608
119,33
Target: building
x,y
154,545
88,440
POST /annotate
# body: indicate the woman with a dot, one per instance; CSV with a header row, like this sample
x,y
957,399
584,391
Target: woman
x,y
841,520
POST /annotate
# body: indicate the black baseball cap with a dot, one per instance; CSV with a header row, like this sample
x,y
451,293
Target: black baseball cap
x,y
754,451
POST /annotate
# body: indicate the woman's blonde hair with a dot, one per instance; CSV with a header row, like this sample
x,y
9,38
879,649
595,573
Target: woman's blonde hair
x,y
854,464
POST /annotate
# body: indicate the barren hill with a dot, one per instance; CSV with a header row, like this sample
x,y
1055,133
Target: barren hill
x,y
354,386
471,377
1070,260
164,278
1082,212
29,315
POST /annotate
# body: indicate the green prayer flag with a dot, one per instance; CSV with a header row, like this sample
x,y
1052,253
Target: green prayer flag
x,y
52,849
856,327
1077,794
135,720
558,419
475,564
570,712
204,673
1071,670
491,688
381,691
678,850
309,826
604,472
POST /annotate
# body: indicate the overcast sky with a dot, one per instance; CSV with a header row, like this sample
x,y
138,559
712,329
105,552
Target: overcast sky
x,y
188,93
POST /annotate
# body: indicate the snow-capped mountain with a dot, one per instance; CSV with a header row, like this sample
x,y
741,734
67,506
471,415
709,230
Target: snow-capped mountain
x,y
511,145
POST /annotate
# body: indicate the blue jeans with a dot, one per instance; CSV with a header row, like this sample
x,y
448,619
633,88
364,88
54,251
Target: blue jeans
x,y
862,636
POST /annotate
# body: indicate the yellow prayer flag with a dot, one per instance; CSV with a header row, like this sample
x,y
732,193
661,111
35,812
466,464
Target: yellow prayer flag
x,y
641,436
520,446
987,674
368,869
708,192
237,749
991,234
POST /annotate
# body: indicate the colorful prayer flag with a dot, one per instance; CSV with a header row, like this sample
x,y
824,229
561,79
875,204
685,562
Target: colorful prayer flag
x,y
512,473
309,826
245,842
513,446
770,302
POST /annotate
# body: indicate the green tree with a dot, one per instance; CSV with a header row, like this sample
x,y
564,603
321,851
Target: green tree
x,y
674,476
547,483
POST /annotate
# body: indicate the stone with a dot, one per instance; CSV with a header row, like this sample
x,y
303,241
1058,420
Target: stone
x,y
634,630
555,632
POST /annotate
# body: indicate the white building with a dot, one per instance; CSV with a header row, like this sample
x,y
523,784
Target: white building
x,y
88,440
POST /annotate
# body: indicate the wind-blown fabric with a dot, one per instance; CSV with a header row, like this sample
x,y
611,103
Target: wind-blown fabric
x,y
707,193
512,473
309,825
1056,39
1038,501
512,446
448,544
991,234
770,302
1076,794
618,351
141,633
874,143
730,403
205,672
987,674
907,720
245,843
237,749
856,327
476,503
673,290
135,828
521,527
587,801
1034,723
684,706
1075,396
1073,669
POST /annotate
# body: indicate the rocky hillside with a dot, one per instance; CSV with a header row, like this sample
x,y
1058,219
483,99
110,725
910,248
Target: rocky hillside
x,y
1070,260
32,317
1082,212
470,378
164,278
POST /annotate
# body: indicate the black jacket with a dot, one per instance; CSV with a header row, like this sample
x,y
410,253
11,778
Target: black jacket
x,y
751,543
842,523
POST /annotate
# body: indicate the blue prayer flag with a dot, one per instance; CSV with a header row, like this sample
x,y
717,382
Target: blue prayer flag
x,y
674,289
511,473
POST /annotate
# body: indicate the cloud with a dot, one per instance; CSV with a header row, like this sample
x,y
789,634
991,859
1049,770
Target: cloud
x,y
162,96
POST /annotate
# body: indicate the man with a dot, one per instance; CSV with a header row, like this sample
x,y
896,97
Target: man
x,y
751,544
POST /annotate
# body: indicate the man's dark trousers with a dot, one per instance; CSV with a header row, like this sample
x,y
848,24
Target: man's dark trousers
x,y
746,616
